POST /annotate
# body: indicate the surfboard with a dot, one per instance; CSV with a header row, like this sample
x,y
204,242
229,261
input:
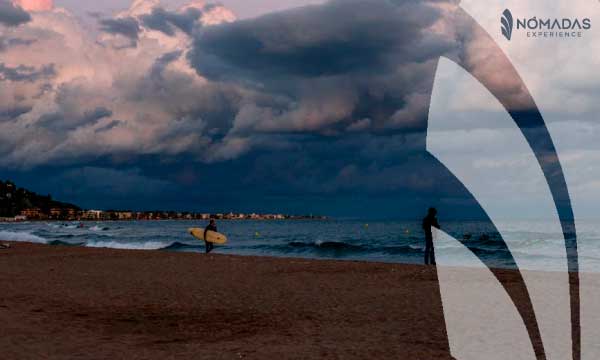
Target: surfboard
x,y
211,236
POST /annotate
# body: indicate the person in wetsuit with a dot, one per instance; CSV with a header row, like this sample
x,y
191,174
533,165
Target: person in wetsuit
x,y
430,221
212,226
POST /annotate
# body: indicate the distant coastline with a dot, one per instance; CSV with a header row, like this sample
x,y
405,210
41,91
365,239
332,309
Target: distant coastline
x,y
19,204
37,214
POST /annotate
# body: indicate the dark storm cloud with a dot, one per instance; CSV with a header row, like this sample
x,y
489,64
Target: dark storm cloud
x,y
11,113
210,7
208,109
48,120
7,43
168,21
336,96
127,27
162,62
111,125
24,73
341,37
110,182
63,121
11,15
96,114
362,162
348,65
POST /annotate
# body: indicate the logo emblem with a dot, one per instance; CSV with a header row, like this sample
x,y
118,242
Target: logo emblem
x,y
507,24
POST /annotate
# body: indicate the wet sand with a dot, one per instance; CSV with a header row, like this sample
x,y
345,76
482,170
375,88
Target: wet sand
x,y
66,302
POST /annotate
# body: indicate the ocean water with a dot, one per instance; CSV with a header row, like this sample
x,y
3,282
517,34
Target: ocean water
x,y
382,241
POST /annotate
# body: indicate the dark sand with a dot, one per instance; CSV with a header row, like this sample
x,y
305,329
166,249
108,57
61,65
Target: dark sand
x,y
62,303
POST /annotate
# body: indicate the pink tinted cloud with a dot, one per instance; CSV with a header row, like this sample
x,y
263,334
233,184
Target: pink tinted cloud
x,y
35,5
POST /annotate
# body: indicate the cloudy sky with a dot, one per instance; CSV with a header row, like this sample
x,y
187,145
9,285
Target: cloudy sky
x,y
242,8
296,106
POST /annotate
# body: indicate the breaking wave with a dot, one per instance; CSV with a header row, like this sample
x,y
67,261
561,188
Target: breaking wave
x,y
99,228
22,237
326,245
147,245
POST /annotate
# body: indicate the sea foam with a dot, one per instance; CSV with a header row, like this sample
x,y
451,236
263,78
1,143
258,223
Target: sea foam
x,y
21,237
148,245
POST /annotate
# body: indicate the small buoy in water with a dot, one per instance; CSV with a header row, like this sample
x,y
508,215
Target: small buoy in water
x,y
407,231
257,234
366,226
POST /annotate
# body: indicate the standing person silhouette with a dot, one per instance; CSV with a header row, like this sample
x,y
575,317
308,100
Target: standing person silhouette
x,y
428,222
369,66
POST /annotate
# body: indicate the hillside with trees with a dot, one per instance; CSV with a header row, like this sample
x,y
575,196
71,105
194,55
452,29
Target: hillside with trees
x,y
14,200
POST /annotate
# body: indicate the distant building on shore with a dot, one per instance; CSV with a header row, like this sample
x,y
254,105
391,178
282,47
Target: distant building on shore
x,y
19,204
125,215
71,214
34,214
92,215
55,213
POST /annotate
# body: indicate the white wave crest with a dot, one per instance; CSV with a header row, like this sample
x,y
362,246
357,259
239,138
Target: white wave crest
x,y
98,228
21,237
149,245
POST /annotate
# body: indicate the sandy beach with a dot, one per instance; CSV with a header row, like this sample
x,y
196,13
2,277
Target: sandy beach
x,y
69,302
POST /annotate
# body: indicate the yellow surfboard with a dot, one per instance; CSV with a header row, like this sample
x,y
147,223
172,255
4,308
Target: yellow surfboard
x,y
211,236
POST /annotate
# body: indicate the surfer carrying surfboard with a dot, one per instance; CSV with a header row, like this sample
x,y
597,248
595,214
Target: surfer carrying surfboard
x,y
209,235
212,226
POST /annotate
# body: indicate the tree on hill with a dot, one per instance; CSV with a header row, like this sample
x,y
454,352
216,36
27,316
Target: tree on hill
x,y
13,200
